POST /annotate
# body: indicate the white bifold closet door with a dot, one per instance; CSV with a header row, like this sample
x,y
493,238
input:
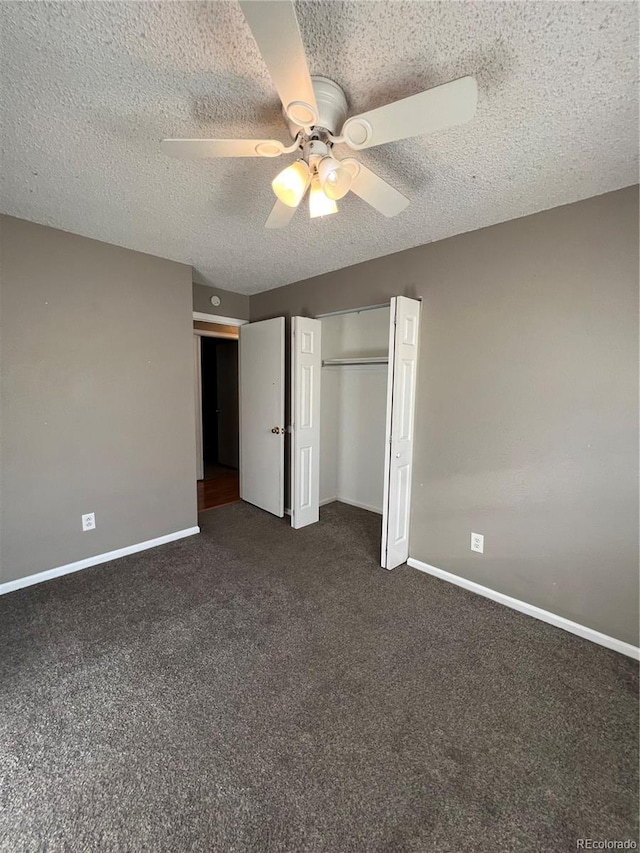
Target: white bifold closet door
x,y
261,373
306,366
404,330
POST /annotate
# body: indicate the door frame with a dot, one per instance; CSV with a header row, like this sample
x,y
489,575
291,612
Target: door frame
x,y
197,396
197,373
216,318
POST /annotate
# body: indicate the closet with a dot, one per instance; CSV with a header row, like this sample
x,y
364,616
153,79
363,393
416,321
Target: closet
x,y
352,382
355,356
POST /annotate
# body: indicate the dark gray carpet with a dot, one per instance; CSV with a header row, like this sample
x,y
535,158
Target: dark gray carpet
x,y
257,688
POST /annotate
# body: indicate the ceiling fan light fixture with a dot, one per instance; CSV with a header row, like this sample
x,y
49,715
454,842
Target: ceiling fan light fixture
x,y
315,111
319,203
291,183
335,179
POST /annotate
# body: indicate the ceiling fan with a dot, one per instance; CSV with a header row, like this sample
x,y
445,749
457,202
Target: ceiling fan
x,y
315,110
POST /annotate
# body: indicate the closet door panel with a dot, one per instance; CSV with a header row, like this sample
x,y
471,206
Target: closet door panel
x,y
401,397
306,363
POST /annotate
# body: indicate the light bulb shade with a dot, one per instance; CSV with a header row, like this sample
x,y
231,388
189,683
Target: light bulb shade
x,y
335,179
291,184
319,203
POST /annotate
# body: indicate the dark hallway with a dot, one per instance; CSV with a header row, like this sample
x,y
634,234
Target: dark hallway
x,y
220,427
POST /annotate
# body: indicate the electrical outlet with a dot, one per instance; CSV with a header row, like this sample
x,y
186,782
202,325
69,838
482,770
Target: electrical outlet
x,y
89,521
477,542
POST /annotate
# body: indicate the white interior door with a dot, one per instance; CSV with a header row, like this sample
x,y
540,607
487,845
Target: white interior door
x,y
262,414
306,365
401,403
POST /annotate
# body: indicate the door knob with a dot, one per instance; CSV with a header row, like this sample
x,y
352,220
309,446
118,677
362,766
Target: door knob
x,y
397,456
276,430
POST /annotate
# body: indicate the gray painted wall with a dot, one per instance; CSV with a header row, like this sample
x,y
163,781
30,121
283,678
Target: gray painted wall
x,y
97,398
527,417
234,305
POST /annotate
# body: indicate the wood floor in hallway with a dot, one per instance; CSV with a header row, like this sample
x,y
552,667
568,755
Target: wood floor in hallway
x,y
221,486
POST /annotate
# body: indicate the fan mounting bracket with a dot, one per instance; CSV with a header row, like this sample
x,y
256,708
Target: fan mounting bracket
x,y
332,107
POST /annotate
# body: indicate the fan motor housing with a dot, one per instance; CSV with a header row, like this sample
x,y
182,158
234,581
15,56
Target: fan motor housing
x,y
332,107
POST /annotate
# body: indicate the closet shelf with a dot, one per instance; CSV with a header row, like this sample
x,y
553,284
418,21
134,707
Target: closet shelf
x,y
376,359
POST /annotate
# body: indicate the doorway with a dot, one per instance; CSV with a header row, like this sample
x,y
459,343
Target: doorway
x,y
216,353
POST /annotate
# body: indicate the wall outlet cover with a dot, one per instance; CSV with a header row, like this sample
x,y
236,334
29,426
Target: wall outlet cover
x,y
477,542
89,521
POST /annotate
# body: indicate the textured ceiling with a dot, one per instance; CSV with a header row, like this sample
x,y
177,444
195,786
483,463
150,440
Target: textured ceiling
x,y
89,90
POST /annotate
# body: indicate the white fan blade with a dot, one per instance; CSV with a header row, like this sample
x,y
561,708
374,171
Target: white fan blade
x,y
198,149
427,112
280,216
275,28
372,189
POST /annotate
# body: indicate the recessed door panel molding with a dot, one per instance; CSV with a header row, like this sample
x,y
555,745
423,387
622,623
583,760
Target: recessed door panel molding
x,y
407,370
262,414
410,331
400,528
305,477
306,343
306,366
404,328
306,402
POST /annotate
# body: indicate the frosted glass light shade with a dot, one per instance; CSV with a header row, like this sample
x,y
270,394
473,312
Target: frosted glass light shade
x,y
291,184
335,179
319,203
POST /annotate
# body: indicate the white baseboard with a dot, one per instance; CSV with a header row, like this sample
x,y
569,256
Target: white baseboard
x,y
328,501
360,505
287,510
11,586
530,610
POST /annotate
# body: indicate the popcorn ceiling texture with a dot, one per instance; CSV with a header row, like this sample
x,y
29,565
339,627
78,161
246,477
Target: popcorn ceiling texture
x,y
91,88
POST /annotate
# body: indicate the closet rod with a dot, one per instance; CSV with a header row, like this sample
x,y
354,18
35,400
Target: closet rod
x,y
377,359
352,310
359,310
